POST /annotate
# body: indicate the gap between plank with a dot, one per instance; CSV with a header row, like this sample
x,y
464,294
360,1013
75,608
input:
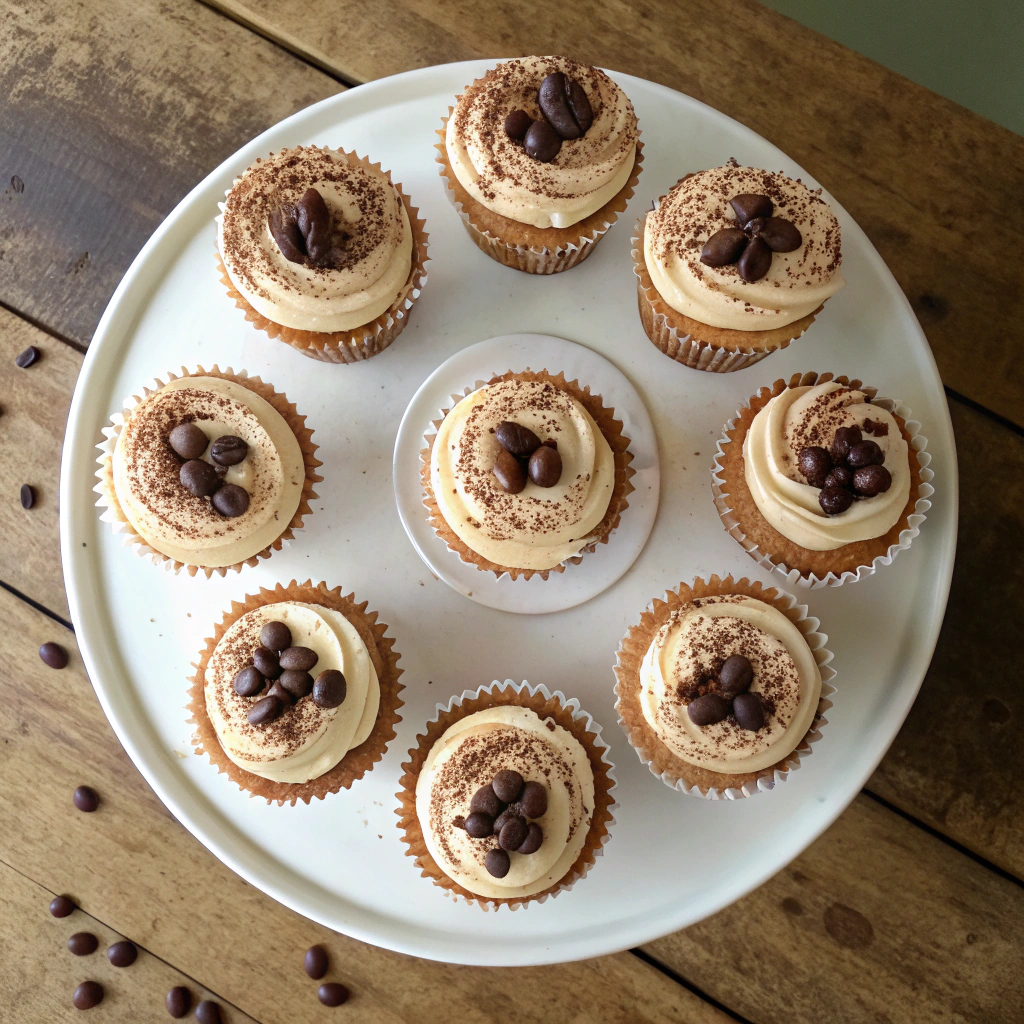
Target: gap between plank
x,y
978,407
38,607
675,976
40,326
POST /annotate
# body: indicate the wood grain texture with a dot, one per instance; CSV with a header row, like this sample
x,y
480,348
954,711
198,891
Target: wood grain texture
x,y
110,111
145,876
935,187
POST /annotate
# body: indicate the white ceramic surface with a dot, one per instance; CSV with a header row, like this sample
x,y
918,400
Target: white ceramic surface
x,y
340,861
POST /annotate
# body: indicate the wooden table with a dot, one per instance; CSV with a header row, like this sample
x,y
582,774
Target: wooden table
x,y
910,908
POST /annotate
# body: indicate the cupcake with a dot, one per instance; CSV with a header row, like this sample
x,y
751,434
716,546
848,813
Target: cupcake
x,y
525,474
506,798
733,264
212,470
720,687
540,156
821,480
296,693
322,250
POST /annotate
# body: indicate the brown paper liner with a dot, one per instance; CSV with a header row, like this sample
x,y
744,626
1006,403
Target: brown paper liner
x,y
641,735
290,415
546,706
610,427
736,493
699,345
524,247
361,342
356,763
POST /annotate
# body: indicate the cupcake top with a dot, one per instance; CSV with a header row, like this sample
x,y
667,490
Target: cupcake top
x,y
207,472
290,689
505,801
316,239
729,684
743,249
826,467
586,148
522,473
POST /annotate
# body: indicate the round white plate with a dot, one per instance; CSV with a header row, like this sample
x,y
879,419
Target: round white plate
x,y
672,860
476,365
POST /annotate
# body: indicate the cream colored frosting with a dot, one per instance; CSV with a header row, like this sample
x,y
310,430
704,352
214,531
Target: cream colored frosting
x,y
468,756
175,522
692,645
305,741
497,173
804,416
698,206
372,234
541,526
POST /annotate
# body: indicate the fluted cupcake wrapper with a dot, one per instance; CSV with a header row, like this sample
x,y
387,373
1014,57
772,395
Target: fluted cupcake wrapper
x,y
564,712
362,342
674,771
610,427
816,569
113,513
358,761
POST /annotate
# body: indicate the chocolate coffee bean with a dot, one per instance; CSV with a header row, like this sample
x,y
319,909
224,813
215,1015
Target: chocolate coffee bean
x,y
285,229
533,801
723,247
199,478
844,440
553,98
780,234
249,681
479,825
579,105
28,496
297,682
516,438
735,675
841,476
749,711
329,689
88,995
266,663
517,124
545,466
533,840
503,819
188,440
748,206
486,801
122,954
814,463
315,962
542,142
513,834
509,472
230,500
332,993
314,221
284,697
866,453
276,635
264,711
871,480
228,450
86,799
507,785
25,359
497,863
707,710
53,655
61,906
178,1001
835,500
298,657
208,1012
82,943
756,261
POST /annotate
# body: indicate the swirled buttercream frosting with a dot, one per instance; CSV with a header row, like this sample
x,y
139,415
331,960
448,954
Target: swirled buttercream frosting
x,y
499,174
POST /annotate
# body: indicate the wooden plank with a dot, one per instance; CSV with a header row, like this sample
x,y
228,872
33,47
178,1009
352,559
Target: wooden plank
x,y
935,187
109,113
145,876
39,975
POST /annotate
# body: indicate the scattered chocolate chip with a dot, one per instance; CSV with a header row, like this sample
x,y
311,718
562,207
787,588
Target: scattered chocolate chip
x,y
199,478
178,1001
707,710
865,453
329,689
834,500
533,801
61,906
315,962
871,480
486,801
755,262
264,711
228,450
497,863
86,799
513,834
249,681
208,1012
545,466
83,943
844,440
266,663
779,234
17,184
517,124
509,472
88,995
815,464
876,427
230,500
276,635
749,711
534,839
507,785
479,825
748,206
303,658
542,142
314,221
284,697
735,675
723,247
122,954
53,655
332,993
27,358
296,682
516,438
28,496
839,477
285,229
188,440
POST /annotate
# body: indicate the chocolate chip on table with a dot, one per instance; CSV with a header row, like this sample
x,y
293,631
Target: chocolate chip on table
x,y
815,464
708,710
83,943
199,478
315,962
545,466
61,906
284,697
208,1012
332,993
542,142
517,124
507,785
303,658
871,480
756,261
230,500
723,247
314,221
329,689
264,711
295,681
841,476
509,472
88,995
565,105
28,496
497,863
86,799
749,711
178,1001
486,801
533,801
479,825
229,450
276,635
266,663
53,655
865,453
122,954
735,675
748,206
516,438
188,440
513,834
27,358
534,839
284,226
845,438
835,500
779,235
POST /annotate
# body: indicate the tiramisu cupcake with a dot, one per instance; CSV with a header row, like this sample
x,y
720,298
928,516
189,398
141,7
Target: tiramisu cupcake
x,y
212,470
506,798
733,264
821,479
722,687
322,250
296,693
540,156
526,473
